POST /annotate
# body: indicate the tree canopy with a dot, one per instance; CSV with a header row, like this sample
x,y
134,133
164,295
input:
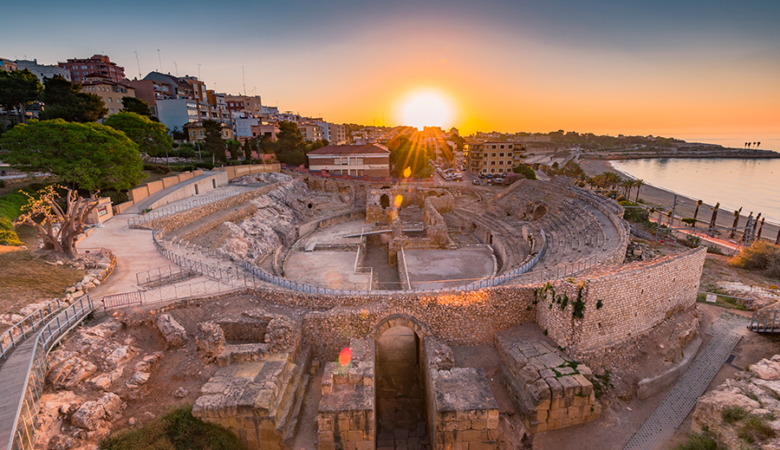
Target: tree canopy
x,y
214,143
90,156
18,89
64,100
136,105
290,147
150,136
405,153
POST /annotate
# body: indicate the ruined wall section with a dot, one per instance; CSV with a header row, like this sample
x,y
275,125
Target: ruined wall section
x,y
621,305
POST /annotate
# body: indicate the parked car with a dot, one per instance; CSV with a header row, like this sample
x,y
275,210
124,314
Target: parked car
x,y
498,180
476,182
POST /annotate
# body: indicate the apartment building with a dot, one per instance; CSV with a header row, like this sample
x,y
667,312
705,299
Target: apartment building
x,y
353,160
42,71
152,91
334,133
111,92
492,157
311,131
100,64
249,105
197,132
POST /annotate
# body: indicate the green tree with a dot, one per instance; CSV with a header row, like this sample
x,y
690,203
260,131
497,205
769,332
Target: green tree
x,y
136,105
405,153
150,136
64,100
18,89
526,171
214,143
696,212
250,145
290,147
90,156
234,147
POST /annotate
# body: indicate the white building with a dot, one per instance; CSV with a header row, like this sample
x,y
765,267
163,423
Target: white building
x,y
42,71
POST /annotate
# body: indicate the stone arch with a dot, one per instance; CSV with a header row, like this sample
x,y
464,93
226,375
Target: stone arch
x,y
401,320
384,201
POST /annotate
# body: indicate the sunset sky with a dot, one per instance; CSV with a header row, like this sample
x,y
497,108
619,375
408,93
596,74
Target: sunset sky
x,y
661,67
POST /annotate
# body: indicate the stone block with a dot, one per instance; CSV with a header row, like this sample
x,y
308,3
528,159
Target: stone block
x,y
577,420
538,391
492,424
477,414
528,374
547,373
325,423
475,435
538,415
478,424
355,435
493,434
355,376
551,360
344,425
464,425
487,445
584,370
493,414
586,387
571,386
340,377
574,411
557,414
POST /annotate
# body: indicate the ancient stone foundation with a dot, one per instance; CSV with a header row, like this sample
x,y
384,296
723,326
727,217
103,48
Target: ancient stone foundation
x,y
550,391
347,410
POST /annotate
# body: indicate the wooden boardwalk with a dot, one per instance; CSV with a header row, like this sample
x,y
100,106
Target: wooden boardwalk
x,y
13,378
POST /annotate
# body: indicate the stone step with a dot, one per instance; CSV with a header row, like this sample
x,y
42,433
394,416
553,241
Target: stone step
x,y
292,385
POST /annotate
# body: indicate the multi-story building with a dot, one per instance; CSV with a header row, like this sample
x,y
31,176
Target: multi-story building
x,y
152,91
353,160
100,64
42,71
249,105
269,130
111,92
8,65
492,157
197,132
311,131
334,133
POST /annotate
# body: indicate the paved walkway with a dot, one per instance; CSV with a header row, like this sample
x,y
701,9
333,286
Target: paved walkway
x,y
726,331
13,376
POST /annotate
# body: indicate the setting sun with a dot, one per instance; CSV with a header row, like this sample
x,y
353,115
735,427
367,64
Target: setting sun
x,y
425,109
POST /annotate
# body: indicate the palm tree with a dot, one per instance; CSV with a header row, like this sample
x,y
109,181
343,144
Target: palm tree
x,y
639,184
714,215
758,236
733,231
758,144
696,212
747,230
755,224
777,240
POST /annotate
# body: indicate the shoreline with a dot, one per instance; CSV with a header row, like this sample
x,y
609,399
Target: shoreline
x,y
685,206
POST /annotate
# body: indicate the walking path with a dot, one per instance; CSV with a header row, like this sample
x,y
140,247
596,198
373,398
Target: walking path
x,y
148,201
13,377
726,331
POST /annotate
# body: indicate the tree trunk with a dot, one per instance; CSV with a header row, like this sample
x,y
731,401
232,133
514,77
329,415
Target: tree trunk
x,y
760,229
733,232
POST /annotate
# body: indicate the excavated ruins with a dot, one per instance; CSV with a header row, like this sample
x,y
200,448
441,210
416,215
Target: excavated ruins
x,y
535,273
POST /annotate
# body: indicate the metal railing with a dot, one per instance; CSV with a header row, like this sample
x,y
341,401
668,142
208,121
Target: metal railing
x,y
162,275
23,434
768,325
169,210
30,324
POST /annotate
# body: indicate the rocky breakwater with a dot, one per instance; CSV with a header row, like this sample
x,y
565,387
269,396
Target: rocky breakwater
x,y
744,412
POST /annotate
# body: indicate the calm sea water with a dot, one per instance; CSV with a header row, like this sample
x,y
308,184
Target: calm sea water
x,y
751,183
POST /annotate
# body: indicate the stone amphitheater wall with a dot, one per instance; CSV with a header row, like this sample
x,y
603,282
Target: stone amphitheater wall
x,y
634,298
178,220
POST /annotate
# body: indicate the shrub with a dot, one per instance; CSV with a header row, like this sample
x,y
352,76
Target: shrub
x,y
157,168
734,414
525,171
204,165
2,183
754,429
176,430
699,441
601,383
759,256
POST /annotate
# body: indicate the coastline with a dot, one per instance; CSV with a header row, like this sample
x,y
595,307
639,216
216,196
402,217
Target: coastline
x,y
685,207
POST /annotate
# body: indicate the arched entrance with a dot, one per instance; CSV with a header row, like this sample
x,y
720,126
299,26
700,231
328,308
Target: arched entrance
x,y
400,388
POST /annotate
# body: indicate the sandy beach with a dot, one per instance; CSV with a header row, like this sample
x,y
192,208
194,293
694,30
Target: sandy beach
x,y
685,206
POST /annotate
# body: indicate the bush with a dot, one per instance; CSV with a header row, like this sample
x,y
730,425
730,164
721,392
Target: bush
x,y
204,165
525,171
756,428
699,441
157,168
2,183
176,430
10,208
733,414
759,256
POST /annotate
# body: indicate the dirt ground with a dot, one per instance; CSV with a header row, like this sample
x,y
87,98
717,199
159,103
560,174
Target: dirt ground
x,y
25,277
717,268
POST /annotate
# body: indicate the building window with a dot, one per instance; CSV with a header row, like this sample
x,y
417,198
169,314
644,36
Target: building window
x,y
501,163
509,146
492,163
501,155
109,100
509,155
492,170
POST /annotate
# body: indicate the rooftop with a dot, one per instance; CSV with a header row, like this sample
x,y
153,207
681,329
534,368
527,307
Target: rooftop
x,y
350,149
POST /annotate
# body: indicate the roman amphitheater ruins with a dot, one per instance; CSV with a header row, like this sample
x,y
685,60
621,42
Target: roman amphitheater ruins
x,y
348,303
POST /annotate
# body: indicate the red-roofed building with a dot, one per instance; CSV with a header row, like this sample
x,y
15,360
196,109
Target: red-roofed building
x,y
354,160
100,64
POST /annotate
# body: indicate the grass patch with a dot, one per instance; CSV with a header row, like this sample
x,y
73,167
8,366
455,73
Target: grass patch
x,y
722,301
601,383
734,414
754,429
699,441
176,430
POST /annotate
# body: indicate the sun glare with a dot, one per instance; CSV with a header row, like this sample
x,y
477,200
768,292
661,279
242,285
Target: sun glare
x,y
426,109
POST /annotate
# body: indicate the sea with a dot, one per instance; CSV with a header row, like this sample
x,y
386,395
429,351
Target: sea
x,y
753,184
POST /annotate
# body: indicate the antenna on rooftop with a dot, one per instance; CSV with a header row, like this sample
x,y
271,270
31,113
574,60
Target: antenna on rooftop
x,y
139,64
199,71
159,58
243,77
177,68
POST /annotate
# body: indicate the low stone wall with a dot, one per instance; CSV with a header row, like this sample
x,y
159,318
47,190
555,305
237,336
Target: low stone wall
x,y
240,171
619,305
141,192
308,227
178,220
